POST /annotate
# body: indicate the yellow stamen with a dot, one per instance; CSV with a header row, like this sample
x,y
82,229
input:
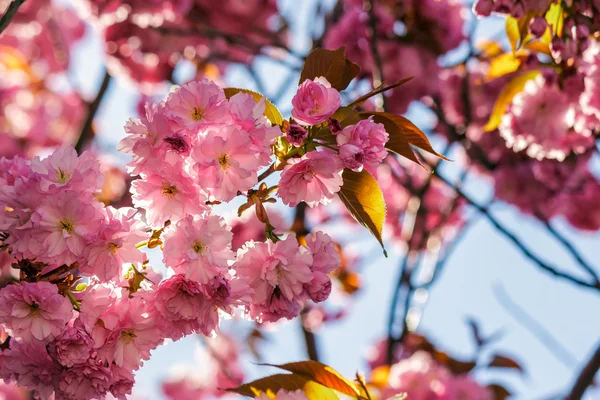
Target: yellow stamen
x,y
169,191
67,225
197,114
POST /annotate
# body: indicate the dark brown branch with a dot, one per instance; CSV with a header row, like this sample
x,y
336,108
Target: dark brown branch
x,y
586,377
546,267
87,131
9,14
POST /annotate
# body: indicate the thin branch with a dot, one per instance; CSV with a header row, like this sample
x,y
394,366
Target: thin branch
x,y
570,248
532,325
9,14
369,6
586,377
517,242
87,132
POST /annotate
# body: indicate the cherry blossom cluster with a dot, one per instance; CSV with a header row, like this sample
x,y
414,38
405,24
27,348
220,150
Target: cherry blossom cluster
x,y
87,309
34,50
429,29
146,40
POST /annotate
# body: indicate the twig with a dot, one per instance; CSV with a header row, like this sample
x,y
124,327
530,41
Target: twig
x,y
586,377
87,131
531,324
9,14
517,242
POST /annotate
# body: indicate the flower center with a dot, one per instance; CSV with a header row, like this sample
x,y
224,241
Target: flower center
x,y
197,114
34,307
67,225
224,161
169,191
113,247
62,176
128,336
199,247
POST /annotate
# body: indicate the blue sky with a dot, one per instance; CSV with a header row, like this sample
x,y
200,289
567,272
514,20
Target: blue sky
x,y
484,260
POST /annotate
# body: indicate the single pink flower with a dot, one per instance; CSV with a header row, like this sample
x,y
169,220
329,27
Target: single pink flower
x,y
132,334
34,312
88,381
199,248
275,272
29,366
363,143
168,195
64,170
315,101
325,259
314,179
195,105
65,226
115,245
296,135
73,347
180,302
226,163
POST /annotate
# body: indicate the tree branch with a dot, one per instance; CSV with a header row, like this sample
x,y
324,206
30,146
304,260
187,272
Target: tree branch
x,y
586,377
9,14
517,242
87,131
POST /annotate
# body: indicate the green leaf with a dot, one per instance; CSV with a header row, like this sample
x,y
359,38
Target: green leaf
x,y
321,374
271,112
377,90
363,199
81,287
511,89
403,134
289,382
347,116
332,64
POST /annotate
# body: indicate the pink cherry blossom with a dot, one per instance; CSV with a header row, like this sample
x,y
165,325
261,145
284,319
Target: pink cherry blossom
x,y
199,247
180,301
296,135
131,335
363,144
73,347
168,195
64,170
226,162
196,104
313,179
29,366
34,312
315,101
276,273
325,259
115,245
63,227
88,381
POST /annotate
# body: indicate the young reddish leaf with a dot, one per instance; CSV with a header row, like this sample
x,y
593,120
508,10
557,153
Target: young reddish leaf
x,y
506,96
271,112
332,64
401,130
321,374
501,361
499,392
377,90
363,199
271,384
